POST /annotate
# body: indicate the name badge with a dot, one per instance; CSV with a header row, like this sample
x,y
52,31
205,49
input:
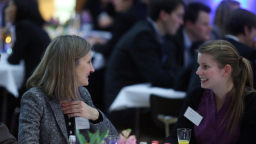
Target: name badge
x,y
82,123
193,116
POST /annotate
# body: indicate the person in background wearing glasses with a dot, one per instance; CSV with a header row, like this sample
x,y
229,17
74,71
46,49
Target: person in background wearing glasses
x,y
226,100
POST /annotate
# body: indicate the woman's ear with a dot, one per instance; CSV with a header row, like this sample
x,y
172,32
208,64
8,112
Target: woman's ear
x,y
227,70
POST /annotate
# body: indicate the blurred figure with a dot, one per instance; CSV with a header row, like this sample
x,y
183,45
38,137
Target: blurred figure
x,y
30,37
196,30
222,13
241,32
102,13
140,56
226,99
128,13
29,41
5,136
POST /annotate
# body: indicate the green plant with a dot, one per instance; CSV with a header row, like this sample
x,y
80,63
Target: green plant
x,y
95,138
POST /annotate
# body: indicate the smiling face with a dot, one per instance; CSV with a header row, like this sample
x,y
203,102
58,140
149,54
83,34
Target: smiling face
x,y
212,77
83,69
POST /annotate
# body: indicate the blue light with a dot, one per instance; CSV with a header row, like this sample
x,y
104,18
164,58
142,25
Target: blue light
x,y
245,4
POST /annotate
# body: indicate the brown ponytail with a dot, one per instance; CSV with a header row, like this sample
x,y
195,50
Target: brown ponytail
x,y
225,53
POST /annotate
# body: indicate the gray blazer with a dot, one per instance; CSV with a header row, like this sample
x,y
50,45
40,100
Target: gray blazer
x,y
42,121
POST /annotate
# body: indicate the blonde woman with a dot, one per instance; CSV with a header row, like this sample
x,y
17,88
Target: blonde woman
x,y
226,99
56,96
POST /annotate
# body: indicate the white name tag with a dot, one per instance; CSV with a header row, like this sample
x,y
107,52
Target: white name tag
x,y
82,123
193,116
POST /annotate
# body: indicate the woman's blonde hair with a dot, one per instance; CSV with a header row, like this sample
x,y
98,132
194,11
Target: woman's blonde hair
x,y
224,53
222,13
56,74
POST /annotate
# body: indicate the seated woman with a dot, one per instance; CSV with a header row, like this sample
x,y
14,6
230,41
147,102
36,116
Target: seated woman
x,y
226,100
56,96
30,37
5,136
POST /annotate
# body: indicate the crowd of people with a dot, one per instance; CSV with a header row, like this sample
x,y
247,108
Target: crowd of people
x,y
167,43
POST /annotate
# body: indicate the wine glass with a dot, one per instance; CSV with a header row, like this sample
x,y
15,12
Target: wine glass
x,y
111,139
183,135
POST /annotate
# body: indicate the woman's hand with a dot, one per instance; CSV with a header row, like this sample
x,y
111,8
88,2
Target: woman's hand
x,y
79,109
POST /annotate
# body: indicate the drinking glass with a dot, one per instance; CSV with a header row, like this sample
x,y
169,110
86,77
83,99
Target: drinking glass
x,y
111,139
183,135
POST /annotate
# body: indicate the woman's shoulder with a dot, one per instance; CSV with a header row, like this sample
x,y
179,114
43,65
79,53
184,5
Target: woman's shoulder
x,y
36,93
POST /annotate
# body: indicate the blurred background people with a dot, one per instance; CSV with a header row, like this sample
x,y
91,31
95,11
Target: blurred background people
x,y
56,96
30,37
140,56
29,41
226,99
222,13
128,13
102,13
195,31
241,32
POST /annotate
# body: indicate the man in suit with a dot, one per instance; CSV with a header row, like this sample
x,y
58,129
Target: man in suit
x,y
195,31
5,136
140,55
241,32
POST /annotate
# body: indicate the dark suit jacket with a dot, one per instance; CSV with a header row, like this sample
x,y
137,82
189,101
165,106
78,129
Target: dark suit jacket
x,y
247,124
31,42
42,119
5,136
137,59
187,78
122,23
248,53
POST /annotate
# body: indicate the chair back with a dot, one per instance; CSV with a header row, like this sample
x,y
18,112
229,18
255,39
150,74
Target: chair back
x,y
165,106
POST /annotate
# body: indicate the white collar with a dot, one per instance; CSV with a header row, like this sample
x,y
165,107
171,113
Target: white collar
x,y
232,37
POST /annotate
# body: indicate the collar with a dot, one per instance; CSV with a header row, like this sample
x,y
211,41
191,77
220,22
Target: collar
x,y
159,37
187,41
232,37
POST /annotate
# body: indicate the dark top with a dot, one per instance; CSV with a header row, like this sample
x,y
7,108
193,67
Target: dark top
x,y
5,136
70,123
247,124
187,78
137,58
248,53
31,42
213,125
95,8
122,23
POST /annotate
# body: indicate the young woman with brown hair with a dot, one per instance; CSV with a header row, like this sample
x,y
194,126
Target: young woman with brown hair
x,y
226,100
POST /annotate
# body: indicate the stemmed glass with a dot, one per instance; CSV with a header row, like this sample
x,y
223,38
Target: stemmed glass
x,y
183,135
111,139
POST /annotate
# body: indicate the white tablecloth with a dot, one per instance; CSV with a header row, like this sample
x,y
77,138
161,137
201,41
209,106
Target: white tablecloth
x,y
138,96
11,76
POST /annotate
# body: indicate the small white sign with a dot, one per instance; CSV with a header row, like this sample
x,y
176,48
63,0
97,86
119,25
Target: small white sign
x,y
193,116
82,123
